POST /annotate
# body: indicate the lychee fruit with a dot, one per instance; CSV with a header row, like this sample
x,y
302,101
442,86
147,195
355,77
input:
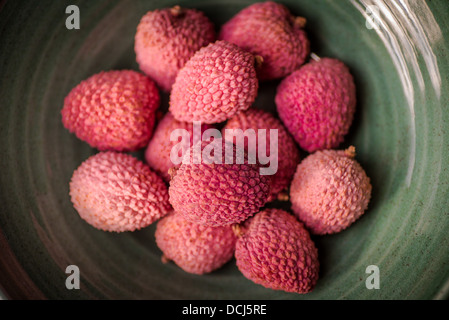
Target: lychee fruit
x,y
116,192
275,250
216,83
158,152
317,103
194,248
167,38
330,190
113,110
269,30
285,153
220,189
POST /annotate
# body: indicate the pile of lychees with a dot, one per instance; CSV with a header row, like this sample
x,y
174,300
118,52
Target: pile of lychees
x,y
208,212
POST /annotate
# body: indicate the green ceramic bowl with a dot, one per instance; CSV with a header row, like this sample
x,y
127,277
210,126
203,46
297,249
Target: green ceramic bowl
x,y
398,55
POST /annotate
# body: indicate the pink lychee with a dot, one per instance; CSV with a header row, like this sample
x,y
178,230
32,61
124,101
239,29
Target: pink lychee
x,y
330,191
117,192
286,153
275,250
158,152
317,103
112,110
217,190
216,83
167,38
269,30
194,248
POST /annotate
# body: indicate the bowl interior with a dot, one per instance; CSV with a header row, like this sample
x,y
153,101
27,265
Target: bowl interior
x,y
400,132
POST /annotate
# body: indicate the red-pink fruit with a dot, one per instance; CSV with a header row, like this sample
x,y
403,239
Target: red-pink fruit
x,y
217,194
112,110
167,38
275,250
116,192
317,104
194,248
157,154
269,30
216,83
330,190
287,153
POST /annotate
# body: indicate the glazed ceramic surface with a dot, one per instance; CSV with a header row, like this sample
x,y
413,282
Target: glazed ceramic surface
x,y
399,57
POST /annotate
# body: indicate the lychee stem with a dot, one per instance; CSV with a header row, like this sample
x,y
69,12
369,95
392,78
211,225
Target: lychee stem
x,y
350,152
176,11
315,57
164,259
283,196
300,22
237,229
258,61
172,172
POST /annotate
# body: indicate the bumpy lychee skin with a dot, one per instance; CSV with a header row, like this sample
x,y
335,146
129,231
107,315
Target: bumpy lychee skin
x,y
285,153
194,248
216,83
317,104
269,30
214,194
167,38
117,192
330,191
112,110
158,152
275,250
